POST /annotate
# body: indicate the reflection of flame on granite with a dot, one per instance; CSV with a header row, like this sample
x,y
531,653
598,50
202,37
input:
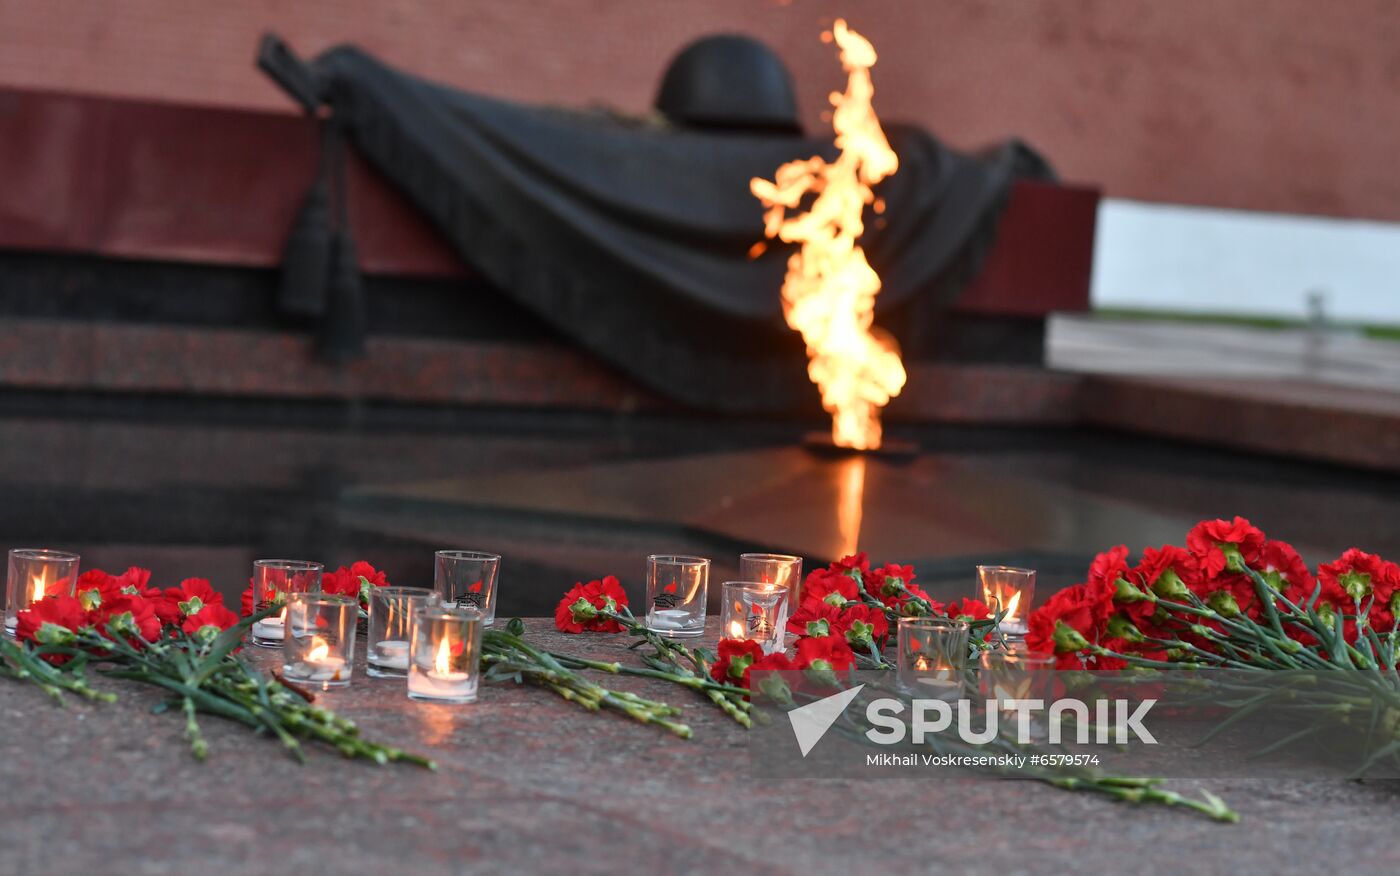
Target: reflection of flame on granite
x,y
850,503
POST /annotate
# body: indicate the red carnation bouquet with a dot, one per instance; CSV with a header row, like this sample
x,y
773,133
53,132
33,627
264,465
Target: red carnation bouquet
x,y
1230,597
185,641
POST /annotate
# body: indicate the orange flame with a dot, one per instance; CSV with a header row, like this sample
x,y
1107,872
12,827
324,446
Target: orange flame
x,y
38,586
320,650
442,661
829,292
1006,596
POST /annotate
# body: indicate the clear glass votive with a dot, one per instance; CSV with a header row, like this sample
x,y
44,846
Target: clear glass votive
x,y
467,579
1011,589
319,648
676,590
1016,673
391,612
273,581
36,573
445,654
932,656
757,611
782,569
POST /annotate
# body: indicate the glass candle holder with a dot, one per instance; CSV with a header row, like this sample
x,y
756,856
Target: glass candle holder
x,y
676,590
319,648
783,569
1016,673
1009,589
34,574
391,611
273,582
445,654
932,656
467,579
755,611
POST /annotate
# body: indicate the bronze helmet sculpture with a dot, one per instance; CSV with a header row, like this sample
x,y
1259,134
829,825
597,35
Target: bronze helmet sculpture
x,y
732,82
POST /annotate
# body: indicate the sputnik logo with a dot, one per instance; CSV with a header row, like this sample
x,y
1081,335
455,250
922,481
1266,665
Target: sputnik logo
x,y
810,722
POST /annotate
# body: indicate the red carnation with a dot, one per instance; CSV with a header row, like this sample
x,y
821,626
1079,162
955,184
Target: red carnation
x,y
132,616
815,618
735,658
885,582
345,581
1109,566
1286,572
44,621
133,581
1221,543
95,587
578,610
178,603
1355,577
828,653
209,621
1069,622
862,625
972,609
1152,572
835,588
245,602
854,563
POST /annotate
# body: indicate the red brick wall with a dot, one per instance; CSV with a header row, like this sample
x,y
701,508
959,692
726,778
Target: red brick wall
x,y
1284,105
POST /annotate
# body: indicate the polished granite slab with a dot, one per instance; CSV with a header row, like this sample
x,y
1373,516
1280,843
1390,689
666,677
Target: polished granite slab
x,y
568,497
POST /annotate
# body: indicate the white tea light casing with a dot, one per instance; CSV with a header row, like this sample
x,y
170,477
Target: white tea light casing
x,y
319,647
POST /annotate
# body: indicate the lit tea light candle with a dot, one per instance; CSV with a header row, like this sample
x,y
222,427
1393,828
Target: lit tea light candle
x,y
1009,590
318,664
932,654
319,643
444,654
442,680
755,610
34,575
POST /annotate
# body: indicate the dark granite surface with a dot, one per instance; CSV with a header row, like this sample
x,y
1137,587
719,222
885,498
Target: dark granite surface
x,y
529,783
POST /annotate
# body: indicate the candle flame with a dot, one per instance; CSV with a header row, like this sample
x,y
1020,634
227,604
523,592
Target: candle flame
x,y
320,650
830,288
736,630
1012,605
39,585
442,662
1004,596
921,664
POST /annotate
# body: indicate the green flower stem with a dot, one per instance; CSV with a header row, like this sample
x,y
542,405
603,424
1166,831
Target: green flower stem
x,y
685,667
